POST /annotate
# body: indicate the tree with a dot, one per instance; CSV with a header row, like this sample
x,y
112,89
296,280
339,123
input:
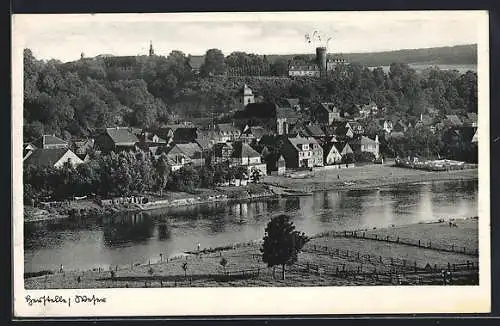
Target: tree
x,y
256,175
214,63
223,263
185,268
282,243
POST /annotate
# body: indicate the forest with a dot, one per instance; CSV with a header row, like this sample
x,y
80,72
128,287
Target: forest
x,y
73,99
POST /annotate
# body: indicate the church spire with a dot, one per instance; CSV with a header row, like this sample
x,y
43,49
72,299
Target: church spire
x,y
151,50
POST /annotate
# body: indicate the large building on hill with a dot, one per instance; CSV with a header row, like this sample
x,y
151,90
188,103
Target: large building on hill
x,y
319,67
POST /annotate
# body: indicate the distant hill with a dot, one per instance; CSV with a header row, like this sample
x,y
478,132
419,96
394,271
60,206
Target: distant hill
x,y
460,54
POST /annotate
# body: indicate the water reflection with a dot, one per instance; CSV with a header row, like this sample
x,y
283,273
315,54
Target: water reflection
x,y
125,237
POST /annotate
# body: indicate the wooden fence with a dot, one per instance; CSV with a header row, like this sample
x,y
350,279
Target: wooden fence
x,y
404,241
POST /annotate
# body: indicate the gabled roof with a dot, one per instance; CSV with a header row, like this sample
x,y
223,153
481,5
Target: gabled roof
x,y
47,140
329,107
327,148
121,136
314,130
217,148
192,150
185,134
298,141
45,157
204,143
241,150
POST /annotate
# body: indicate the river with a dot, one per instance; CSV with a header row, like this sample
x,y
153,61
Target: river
x,y
136,237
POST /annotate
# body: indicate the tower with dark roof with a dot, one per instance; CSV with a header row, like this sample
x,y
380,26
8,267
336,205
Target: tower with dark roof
x,y
151,50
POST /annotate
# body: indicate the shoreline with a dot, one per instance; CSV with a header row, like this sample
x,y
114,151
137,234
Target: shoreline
x,y
289,187
257,242
245,257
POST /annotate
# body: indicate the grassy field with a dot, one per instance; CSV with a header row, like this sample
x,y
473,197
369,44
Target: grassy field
x,y
366,177
317,265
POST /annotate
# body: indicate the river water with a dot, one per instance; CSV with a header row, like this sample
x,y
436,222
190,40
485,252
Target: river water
x,y
137,237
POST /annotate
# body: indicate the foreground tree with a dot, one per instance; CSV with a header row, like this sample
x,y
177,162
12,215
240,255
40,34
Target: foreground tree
x,y
282,243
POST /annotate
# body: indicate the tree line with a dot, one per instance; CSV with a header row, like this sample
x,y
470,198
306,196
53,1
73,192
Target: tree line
x,y
72,99
124,174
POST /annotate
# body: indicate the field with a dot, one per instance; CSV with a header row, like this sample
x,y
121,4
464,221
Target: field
x,y
366,177
325,261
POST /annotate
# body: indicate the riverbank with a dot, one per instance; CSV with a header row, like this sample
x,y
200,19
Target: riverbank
x,y
366,177
327,260
90,208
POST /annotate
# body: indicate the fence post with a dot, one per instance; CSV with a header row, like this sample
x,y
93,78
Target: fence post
x,y
419,242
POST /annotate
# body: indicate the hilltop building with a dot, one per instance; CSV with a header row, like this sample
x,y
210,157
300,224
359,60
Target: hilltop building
x,y
318,68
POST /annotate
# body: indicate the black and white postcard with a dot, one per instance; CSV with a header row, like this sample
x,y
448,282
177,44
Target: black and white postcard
x,y
251,163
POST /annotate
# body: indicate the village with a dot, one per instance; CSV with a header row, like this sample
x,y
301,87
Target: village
x,y
280,139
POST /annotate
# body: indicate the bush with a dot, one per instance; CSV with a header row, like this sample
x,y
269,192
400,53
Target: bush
x,y
364,157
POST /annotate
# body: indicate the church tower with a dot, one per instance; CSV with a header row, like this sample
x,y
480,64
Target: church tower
x,y
151,50
247,96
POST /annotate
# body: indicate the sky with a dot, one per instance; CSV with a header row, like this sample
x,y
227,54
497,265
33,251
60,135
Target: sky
x,y
66,36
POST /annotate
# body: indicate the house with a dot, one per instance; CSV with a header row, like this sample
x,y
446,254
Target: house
x,y
222,152
193,151
50,142
249,134
244,155
452,121
344,131
325,113
356,128
385,125
176,158
331,154
302,152
343,148
151,142
116,139
313,130
303,70
470,120
195,62
227,132
273,117
54,157
399,126
365,144
293,103
83,147
185,134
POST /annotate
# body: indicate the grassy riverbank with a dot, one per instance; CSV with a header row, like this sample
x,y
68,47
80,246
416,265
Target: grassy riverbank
x,y
325,261
89,208
368,176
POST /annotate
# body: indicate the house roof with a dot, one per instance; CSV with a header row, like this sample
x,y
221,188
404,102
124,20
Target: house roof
x,y
228,128
185,134
327,148
49,140
192,150
304,68
297,141
204,143
454,119
241,150
45,157
363,140
472,116
121,136
329,107
196,61
314,130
